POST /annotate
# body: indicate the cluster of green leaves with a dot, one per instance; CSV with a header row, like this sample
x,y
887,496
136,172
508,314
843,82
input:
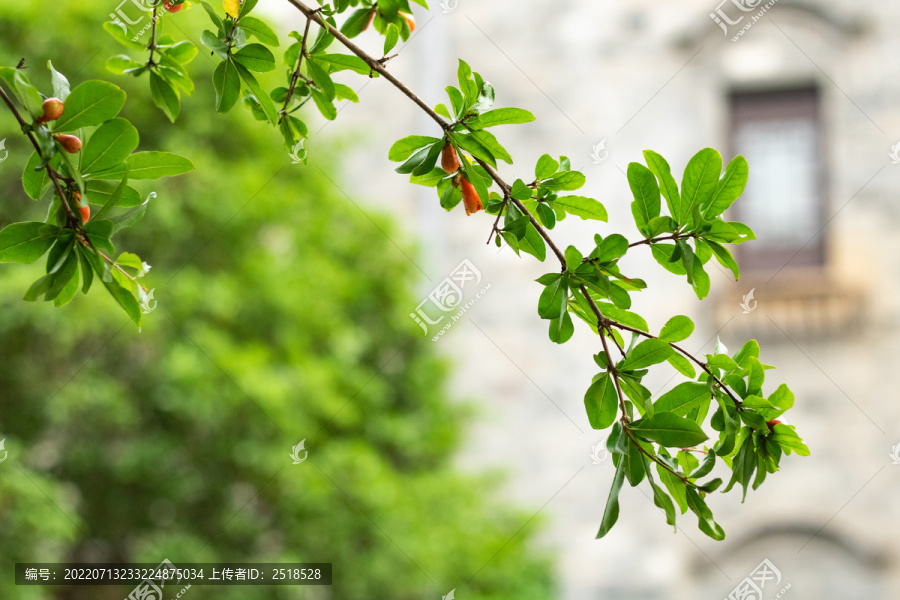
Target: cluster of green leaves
x,y
234,76
471,113
97,175
385,15
309,77
166,65
669,430
695,213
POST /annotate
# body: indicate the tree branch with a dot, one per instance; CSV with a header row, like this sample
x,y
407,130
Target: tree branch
x,y
76,221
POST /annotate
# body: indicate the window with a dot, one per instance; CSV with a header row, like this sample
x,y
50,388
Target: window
x,y
780,134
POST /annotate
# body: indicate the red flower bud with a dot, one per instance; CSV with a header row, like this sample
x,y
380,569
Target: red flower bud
x,y
53,109
69,143
773,423
172,8
449,159
85,213
470,197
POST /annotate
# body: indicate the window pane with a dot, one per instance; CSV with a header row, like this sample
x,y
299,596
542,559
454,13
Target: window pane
x,y
781,200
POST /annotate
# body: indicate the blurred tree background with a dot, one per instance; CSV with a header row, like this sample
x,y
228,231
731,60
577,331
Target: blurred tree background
x,y
282,315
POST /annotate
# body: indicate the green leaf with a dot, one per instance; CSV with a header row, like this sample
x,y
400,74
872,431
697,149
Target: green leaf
x,y
669,188
701,178
682,365
610,248
122,36
675,486
706,522
645,190
321,79
683,398
562,328
90,104
670,430
100,191
507,116
677,329
785,437
634,464
255,57
601,402
227,83
148,165
566,181
212,41
261,95
573,258
26,242
61,88
647,353
260,30
358,22
343,62
474,147
109,145
35,181
611,512
184,52
730,187
742,466
546,167
725,258
581,206
403,149
489,141
391,38
660,498
246,7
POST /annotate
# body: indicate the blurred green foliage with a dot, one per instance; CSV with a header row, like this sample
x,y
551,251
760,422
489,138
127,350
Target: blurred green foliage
x,y
282,316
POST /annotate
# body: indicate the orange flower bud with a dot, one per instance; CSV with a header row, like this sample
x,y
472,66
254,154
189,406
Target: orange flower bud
x,y
172,8
449,159
53,109
70,143
470,197
410,20
371,18
85,213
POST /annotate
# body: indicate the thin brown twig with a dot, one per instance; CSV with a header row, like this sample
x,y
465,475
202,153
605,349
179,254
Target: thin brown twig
x,y
296,75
